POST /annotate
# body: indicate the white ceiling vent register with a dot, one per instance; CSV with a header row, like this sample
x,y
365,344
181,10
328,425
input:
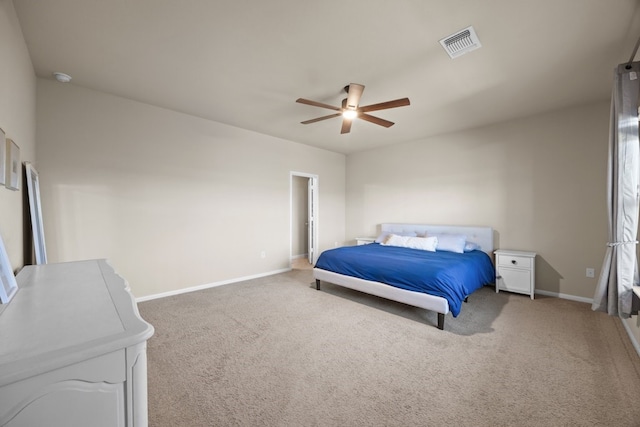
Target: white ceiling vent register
x,y
461,42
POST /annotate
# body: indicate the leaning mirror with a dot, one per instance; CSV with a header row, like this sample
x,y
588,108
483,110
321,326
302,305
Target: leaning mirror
x,y
33,187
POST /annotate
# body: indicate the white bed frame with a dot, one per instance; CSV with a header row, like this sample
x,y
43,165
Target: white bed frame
x,y
483,236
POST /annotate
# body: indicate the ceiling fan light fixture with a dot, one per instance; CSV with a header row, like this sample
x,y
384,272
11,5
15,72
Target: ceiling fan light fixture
x,y
349,114
351,109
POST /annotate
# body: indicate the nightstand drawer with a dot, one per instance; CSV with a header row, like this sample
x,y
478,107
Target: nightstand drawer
x,y
514,261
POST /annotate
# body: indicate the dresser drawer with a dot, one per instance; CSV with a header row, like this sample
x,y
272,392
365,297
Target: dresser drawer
x,y
514,261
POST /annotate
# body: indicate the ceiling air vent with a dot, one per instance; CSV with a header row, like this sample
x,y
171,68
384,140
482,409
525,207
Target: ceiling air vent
x,y
461,42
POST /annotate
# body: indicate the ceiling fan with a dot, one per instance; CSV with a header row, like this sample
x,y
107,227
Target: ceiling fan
x,y
351,109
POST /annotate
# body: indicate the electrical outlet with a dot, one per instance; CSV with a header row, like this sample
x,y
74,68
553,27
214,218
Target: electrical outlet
x,y
591,272
263,254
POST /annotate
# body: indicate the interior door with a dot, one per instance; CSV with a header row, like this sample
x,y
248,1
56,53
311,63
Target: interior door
x,y
311,221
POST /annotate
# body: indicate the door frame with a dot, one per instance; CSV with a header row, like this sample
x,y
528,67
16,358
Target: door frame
x,y
314,214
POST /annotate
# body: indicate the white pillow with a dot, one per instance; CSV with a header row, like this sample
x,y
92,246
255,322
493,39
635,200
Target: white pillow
x,y
470,246
421,243
383,236
451,242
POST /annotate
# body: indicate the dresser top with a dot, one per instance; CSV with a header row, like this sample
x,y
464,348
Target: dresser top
x,y
63,313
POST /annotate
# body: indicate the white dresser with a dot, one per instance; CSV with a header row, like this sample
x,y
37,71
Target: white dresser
x,y
516,271
73,349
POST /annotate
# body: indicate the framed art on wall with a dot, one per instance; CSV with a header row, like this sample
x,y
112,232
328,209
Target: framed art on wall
x,y
8,284
13,166
3,158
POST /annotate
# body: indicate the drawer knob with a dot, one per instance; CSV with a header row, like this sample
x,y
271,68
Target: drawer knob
x,y
513,261
499,277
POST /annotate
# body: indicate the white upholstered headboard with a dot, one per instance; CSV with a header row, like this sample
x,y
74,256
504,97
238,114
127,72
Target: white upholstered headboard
x,y
482,236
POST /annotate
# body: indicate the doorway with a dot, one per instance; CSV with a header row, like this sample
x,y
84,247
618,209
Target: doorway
x,y
303,220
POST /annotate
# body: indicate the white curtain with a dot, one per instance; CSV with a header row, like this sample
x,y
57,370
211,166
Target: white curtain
x,y
614,292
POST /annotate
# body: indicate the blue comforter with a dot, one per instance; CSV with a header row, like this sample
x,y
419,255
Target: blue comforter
x,y
448,275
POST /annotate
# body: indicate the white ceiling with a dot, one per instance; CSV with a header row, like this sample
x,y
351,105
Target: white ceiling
x,y
245,62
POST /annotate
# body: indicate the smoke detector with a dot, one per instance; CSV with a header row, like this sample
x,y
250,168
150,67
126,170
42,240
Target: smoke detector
x,y
62,77
461,42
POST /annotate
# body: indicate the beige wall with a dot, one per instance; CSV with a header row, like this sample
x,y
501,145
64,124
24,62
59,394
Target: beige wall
x,y
539,182
17,119
174,201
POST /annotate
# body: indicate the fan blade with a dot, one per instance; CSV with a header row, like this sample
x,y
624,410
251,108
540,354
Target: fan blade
x,y
317,104
346,126
376,120
353,97
330,116
384,105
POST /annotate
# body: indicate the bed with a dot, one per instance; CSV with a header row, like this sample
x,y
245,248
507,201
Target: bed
x,y
438,281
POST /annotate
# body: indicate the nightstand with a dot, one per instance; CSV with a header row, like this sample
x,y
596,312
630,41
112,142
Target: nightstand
x,y
516,271
364,240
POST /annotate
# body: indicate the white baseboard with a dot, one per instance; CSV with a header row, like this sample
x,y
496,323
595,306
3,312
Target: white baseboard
x,y
209,285
565,296
299,256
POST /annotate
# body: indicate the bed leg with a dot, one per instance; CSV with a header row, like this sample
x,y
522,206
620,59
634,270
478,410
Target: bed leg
x,y
466,299
317,284
441,321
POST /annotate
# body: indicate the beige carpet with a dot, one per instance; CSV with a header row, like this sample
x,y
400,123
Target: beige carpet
x,y
276,352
